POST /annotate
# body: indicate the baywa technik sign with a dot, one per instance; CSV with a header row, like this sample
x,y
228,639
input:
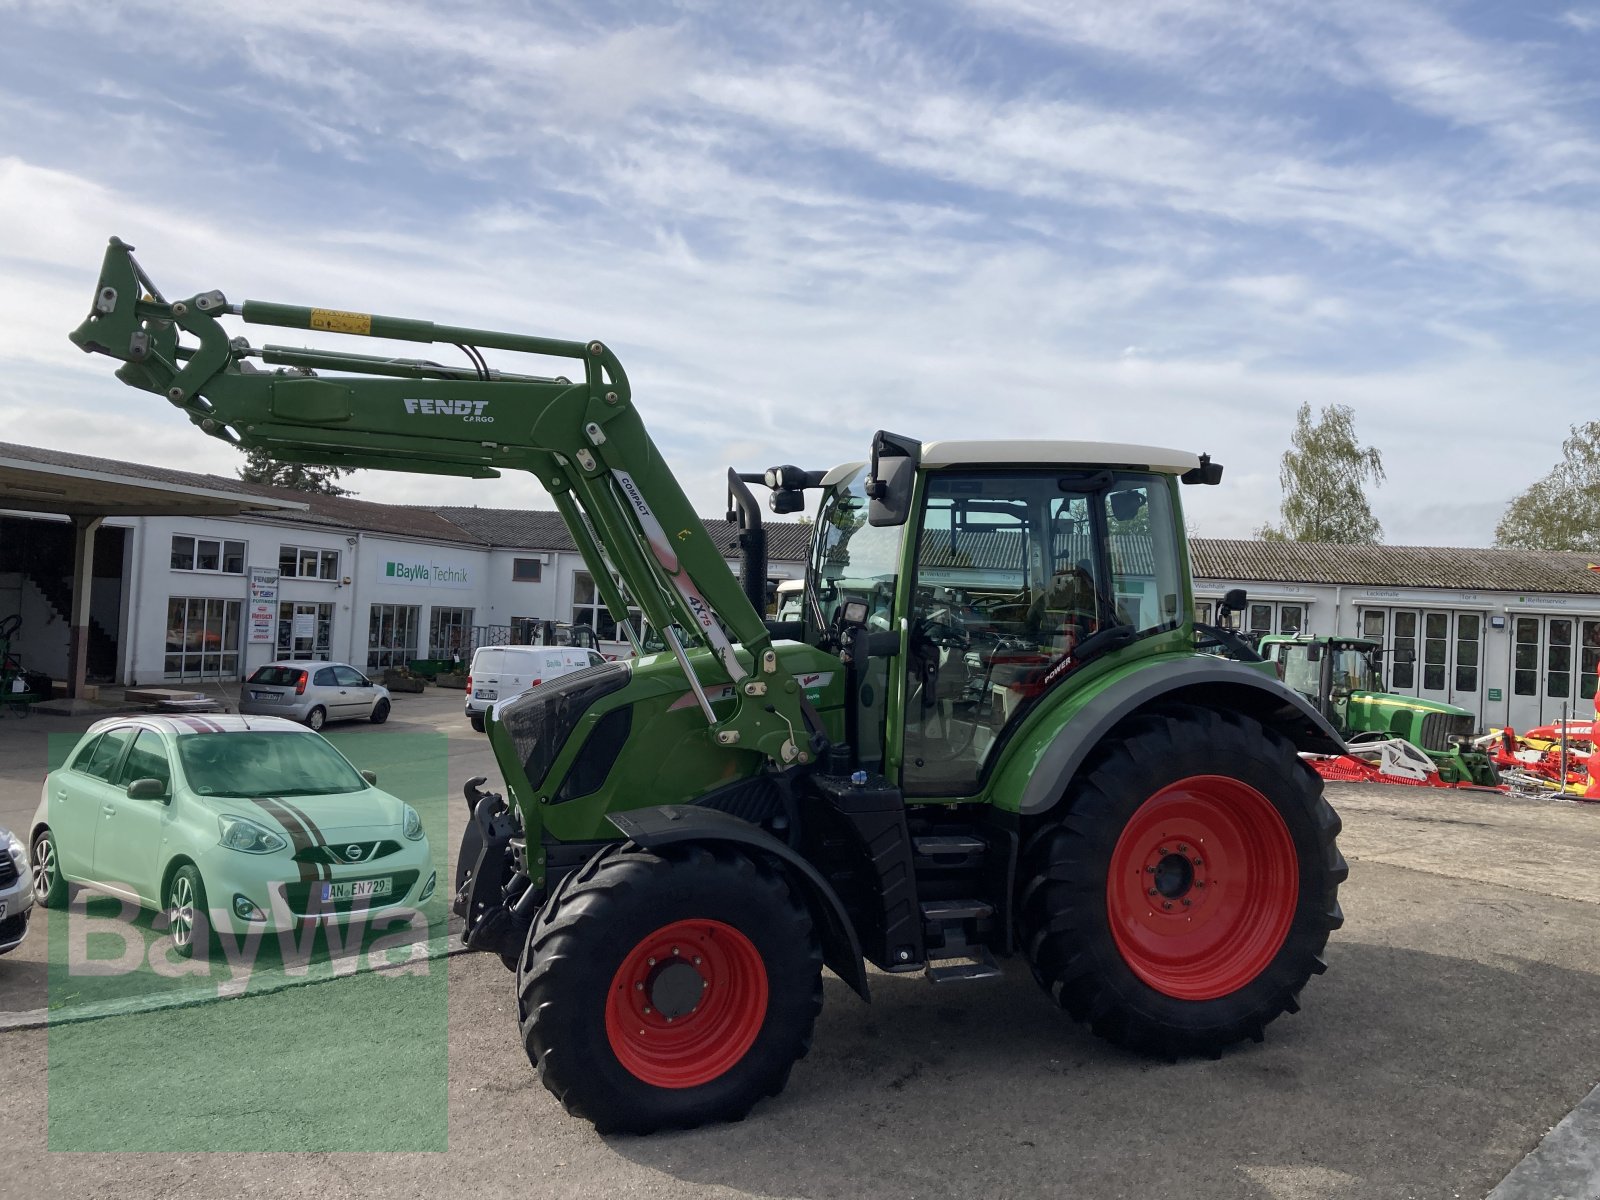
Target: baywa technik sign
x,y
422,573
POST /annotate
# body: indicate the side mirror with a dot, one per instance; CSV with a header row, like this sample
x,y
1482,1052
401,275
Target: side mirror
x,y
1235,599
147,789
1125,506
1207,472
894,472
371,777
1314,652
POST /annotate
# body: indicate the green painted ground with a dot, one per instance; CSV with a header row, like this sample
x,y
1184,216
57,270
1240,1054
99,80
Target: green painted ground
x,y
359,1066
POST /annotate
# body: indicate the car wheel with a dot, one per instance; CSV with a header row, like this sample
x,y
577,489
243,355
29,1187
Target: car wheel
x,y
49,888
477,722
188,919
317,717
380,712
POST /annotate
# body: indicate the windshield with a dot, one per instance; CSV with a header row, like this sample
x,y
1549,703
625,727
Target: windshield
x,y
852,559
1353,671
257,763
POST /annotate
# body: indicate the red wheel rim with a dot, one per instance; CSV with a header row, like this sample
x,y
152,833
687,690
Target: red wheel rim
x,y
1202,888
686,1004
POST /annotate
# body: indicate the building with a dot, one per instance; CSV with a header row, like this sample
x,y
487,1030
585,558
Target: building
x,y
188,595
1510,635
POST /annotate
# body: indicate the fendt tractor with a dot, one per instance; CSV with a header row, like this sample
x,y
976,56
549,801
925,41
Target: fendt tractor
x,y
1342,677
990,734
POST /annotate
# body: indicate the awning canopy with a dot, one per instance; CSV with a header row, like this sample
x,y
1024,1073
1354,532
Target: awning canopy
x,y
72,490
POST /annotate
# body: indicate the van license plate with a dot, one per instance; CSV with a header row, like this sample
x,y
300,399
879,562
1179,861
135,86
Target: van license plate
x,y
485,694
356,889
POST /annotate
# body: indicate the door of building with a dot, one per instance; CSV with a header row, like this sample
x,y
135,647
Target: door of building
x,y
1446,647
1553,662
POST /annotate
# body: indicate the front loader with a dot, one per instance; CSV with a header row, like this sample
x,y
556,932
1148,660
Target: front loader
x,y
989,736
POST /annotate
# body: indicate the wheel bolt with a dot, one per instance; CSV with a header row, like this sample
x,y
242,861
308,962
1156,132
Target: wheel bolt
x,y
674,950
638,987
1164,904
1164,851
1153,891
1187,903
647,1010
1198,863
1182,849
649,962
704,984
697,960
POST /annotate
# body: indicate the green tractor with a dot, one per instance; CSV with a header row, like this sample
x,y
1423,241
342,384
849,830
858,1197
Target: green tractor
x,y
1342,678
989,736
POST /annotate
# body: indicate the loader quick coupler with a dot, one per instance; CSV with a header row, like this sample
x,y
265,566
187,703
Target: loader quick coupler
x,y
487,882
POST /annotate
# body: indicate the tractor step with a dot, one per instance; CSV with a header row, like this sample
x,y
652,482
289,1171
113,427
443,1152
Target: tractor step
x,y
955,910
978,964
943,845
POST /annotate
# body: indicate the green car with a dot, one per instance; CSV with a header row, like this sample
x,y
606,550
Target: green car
x,y
224,823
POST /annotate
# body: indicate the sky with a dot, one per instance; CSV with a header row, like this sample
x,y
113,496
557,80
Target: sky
x,y
1158,221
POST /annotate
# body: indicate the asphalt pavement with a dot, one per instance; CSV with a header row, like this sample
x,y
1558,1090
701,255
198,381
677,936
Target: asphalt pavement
x,y
1454,1028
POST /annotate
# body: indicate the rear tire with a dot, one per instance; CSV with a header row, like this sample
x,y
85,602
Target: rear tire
x,y
317,717
1185,892
49,886
668,988
380,712
477,722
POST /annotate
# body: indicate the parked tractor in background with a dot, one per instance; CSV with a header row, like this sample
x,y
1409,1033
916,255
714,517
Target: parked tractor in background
x,y
989,735
1342,677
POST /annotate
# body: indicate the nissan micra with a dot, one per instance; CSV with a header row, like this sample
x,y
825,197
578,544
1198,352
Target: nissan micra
x,y
223,822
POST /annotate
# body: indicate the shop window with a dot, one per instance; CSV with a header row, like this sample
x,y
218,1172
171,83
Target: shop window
x,y
589,609
308,562
202,638
450,633
305,630
215,555
392,635
1558,659
526,570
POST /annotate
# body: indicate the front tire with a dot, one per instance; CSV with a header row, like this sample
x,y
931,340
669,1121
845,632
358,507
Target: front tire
x,y
317,717
1185,893
380,712
668,988
188,918
49,885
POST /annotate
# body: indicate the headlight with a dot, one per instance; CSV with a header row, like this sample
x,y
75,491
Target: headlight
x,y
413,825
18,852
247,836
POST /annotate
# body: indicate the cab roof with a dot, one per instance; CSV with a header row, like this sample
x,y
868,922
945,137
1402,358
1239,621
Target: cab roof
x,y
1031,451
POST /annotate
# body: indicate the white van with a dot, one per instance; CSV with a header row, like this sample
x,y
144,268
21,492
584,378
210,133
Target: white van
x,y
500,672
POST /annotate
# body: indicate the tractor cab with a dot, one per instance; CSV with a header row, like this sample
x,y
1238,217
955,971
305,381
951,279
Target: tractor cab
x,y
1328,672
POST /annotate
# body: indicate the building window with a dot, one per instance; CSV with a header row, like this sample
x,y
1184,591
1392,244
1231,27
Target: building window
x,y
1469,632
207,554
202,638
307,562
1525,660
392,635
1591,660
526,570
449,633
1558,659
1291,618
588,609
1202,612
1405,640
304,630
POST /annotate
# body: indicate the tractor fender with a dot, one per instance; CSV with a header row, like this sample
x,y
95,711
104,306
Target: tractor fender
x,y
667,824
1206,682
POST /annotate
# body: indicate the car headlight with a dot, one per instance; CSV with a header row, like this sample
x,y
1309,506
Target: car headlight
x,y
241,834
413,824
18,852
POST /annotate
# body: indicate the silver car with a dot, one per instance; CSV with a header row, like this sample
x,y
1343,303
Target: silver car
x,y
315,693
16,891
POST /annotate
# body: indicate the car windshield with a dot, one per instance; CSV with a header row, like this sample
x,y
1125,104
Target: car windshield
x,y
265,764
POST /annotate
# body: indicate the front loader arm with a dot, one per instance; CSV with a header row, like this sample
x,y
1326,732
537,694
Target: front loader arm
x,y
584,441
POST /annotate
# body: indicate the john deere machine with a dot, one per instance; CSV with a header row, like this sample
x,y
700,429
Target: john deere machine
x,y
989,736
1342,677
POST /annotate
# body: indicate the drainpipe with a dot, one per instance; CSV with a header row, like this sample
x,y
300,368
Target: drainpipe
x,y
132,626
357,646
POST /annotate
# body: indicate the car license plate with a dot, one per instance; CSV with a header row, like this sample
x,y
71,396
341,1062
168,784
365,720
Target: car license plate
x,y
356,889
485,694
266,695
2,910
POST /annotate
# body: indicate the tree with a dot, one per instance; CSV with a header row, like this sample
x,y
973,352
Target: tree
x,y
1325,474
1562,510
259,468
